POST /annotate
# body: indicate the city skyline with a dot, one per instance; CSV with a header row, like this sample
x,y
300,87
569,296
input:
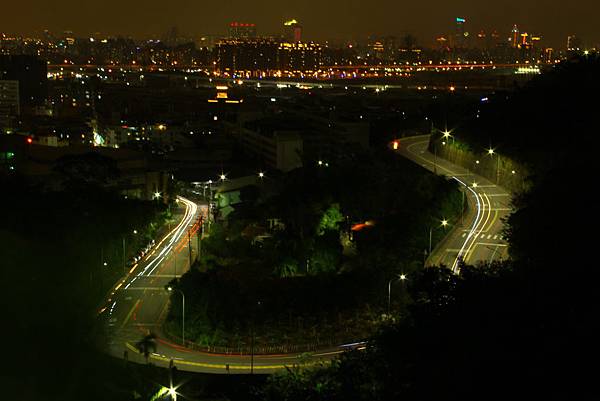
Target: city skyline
x,y
350,21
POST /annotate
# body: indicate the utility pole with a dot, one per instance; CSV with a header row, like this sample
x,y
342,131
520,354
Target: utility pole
x,y
190,246
199,235
498,170
174,259
124,265
430,234
252,351
462,208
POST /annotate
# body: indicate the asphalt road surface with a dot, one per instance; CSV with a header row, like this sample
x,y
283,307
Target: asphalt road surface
x,y
478,238
139,303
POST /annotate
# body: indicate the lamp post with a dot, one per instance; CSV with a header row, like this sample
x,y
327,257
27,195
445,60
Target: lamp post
x,y
492,153
443,223
189,233
401,277
124,254
183,312
445,135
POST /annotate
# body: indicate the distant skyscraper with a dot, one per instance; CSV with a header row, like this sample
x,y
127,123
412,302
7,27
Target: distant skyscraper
x,y
514,36
9,103
460,34
573,43
239,56
292,31
239,30
299,57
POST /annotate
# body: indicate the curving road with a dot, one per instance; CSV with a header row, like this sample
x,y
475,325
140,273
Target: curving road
x,y
479,236
138,304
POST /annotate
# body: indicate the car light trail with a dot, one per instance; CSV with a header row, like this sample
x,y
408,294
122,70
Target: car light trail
x,y
473,227
172,239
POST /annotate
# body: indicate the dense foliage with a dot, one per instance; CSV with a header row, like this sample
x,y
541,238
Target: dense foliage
x,y
54,246
516,330
309,281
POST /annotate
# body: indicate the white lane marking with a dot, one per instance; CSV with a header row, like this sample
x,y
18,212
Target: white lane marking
x,y
473,227
485,200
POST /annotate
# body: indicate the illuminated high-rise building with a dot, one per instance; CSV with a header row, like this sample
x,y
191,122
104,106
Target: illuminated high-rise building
x,y
9,103
235,56
299,57
241,30
460,34
573,43
514,36
292,31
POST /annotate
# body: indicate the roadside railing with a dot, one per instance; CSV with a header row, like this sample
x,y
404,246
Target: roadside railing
x,y
245,349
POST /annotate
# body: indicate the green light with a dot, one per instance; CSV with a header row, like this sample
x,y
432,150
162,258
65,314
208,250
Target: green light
x,y
159,394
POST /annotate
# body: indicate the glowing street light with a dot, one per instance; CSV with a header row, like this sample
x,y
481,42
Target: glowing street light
x,y
443,223
170,289
261,175
223,177
173,393
402,278
491,153
156,195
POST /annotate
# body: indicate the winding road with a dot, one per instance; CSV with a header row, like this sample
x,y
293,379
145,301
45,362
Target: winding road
x,y
138,304
479,236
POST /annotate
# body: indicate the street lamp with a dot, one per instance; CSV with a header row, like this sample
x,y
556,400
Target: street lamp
x,y
443,223
401,277
183,313
492,153
173,393
124,254
261,175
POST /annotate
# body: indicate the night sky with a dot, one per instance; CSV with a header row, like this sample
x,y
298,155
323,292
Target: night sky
x,y
322,19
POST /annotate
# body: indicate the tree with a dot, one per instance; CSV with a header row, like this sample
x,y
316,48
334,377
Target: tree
x,y
147,345
330,220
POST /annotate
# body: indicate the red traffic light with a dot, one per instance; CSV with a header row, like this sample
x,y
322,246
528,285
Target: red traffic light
x,y
29,140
